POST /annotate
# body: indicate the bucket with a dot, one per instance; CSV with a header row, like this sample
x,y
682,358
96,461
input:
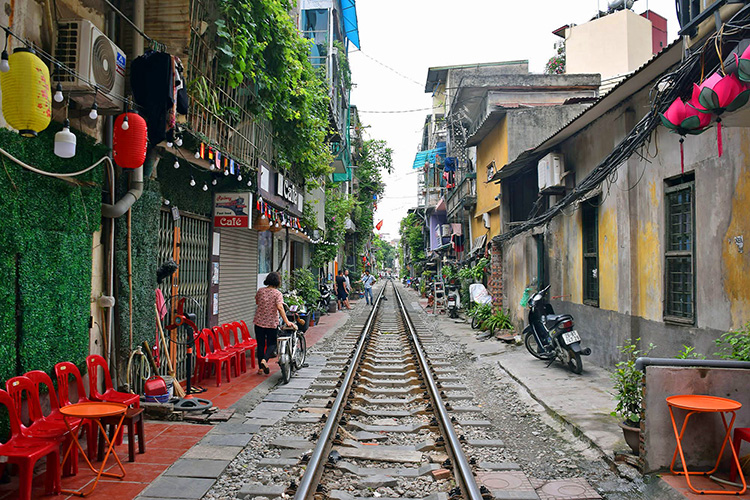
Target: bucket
x,y
170,385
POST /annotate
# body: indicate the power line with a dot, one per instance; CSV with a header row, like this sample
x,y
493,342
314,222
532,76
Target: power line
x,y
421,85
395,111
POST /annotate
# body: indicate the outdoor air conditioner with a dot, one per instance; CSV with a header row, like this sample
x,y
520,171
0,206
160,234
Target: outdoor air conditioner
x,y
92,61
446,230
550,170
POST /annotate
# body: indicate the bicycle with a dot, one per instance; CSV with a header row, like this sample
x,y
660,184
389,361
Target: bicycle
x,y
291,349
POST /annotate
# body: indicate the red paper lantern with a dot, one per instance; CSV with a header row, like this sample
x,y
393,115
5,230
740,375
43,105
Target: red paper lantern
x,y
129,142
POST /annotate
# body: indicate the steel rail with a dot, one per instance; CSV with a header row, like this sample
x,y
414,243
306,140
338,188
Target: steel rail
x,y
314,470
461,465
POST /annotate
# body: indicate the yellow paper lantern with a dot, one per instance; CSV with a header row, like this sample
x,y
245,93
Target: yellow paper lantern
x,y
27,104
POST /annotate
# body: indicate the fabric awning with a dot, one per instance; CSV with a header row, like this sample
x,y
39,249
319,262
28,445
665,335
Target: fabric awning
x,y
349,20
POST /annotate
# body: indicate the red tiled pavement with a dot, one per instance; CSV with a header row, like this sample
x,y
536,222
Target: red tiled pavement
x,y
165,441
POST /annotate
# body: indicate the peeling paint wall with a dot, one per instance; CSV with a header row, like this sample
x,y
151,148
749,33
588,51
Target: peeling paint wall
x,y
631,238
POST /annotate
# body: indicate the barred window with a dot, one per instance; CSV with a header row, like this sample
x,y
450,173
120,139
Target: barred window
x,y
680,254
590,223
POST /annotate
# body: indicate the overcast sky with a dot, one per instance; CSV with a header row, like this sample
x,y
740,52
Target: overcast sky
x,y
410,36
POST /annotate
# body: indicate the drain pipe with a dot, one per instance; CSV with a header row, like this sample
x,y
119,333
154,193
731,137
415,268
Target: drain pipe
x,y
643,362
128,199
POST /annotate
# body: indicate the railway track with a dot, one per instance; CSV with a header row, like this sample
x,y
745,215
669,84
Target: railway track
x,y
393,421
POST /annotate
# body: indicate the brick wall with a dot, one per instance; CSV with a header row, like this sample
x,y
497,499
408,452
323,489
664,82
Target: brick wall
x,y
495,281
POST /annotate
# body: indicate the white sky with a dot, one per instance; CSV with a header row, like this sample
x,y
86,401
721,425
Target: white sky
x,y
411,36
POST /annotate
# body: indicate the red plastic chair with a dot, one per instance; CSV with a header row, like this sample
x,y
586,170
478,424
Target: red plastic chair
x,y
740,434
63,371
93,362
55,418
226,332
25,452
207,356
249,342
219,345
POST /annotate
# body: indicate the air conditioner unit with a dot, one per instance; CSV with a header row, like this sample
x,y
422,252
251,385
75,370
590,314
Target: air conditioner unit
x,y
446,230
550,170
90,61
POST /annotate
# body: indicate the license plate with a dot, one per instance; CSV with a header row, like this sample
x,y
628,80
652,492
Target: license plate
x,y
570,337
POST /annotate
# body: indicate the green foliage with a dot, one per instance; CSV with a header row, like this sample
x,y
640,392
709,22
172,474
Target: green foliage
x,y
304,283
735,344
338,206
259,45
688,352
385,253
475,272
628,382
174,186
309,218
412,241
46,242
145,215
345,72
556,63
499,320
482,312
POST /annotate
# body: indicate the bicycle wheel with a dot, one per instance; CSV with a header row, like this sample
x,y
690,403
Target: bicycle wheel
x,y
300,351
285,362
474,322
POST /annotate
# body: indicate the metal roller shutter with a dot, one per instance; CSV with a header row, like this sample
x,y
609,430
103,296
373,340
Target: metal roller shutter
x,y
238,275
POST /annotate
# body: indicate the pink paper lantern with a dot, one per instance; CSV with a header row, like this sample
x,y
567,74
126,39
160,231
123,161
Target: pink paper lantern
x,y
683,119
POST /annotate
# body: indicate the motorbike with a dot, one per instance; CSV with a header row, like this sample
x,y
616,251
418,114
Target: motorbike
x,y
453,300
298,314
550,336
325,297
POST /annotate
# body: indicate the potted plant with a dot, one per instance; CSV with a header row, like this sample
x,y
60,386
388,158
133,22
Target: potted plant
x,y
629,393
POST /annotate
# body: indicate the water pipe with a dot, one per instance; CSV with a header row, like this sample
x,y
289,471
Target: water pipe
x,y
642,362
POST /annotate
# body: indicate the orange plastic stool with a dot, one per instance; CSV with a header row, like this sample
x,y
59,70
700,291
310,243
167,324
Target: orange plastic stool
x,y
740,434
704,404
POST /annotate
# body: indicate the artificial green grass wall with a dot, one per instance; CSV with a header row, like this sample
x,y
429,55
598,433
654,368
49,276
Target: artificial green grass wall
x,y
46,228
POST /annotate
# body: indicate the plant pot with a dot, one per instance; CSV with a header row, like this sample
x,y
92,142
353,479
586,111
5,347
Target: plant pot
x,y
632,436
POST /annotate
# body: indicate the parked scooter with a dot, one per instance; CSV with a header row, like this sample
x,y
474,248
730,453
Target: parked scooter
x,y
453,300
325,296
551,336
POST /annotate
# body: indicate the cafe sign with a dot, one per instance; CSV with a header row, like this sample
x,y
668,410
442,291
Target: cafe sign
x,y
233,209
286,188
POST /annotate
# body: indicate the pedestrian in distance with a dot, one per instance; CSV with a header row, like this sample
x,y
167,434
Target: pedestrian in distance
x,y
340,288
348,288
368,280
269,303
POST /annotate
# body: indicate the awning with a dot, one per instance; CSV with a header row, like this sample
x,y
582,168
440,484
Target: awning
x,y
478,243
429,155
349,19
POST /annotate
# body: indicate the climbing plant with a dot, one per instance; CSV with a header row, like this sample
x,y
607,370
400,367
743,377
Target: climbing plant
x,y
259,45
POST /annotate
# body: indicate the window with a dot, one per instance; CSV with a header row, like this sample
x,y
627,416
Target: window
x,y
265,254
679,256
590,223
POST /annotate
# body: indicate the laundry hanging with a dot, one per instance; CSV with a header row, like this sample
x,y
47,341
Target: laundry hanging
x,y
152,81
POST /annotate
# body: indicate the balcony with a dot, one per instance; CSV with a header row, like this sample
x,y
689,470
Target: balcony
x,y
464,195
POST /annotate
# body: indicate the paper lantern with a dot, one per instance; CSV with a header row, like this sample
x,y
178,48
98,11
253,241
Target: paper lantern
x,y
27,100
718,94
683,119
129,143
742,62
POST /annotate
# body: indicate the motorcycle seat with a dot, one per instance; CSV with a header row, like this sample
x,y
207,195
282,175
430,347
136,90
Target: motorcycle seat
x,y
554,318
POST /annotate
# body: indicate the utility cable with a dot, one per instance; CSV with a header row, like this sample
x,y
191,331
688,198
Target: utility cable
x,y
105,159
387,67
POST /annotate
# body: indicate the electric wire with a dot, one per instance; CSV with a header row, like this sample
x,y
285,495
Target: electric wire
x,y
387,67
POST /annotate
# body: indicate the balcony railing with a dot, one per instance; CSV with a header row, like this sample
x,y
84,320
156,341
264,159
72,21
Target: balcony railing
x,y
217,111
464,195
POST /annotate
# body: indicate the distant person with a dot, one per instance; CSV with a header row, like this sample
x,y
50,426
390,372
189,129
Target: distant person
x,y
270,304
340,288
348,287
368,280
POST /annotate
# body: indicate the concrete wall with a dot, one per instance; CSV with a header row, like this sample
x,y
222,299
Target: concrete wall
x,y
611,45
704,433
494,148
631,240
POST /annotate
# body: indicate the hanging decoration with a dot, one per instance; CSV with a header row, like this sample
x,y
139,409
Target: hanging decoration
x,y
683,119
65,142
27,100
262,223
129,143
718,94
742,62
379,225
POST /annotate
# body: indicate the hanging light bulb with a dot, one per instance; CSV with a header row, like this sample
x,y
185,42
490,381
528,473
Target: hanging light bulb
x,y
192,181
226,172
178,141
176,164
65,142
125,125
239,177
4,64
197,155
58,97
170,144
213,181
94,113
205,186
166,202
249,183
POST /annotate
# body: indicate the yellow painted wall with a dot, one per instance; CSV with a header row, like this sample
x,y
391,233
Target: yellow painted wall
x,y
494,147
608,259
737,265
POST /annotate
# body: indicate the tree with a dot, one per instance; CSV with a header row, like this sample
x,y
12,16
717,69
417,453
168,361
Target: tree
x,y
385,253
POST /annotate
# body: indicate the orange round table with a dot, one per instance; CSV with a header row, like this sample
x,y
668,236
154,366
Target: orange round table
x,y
704,404
95,410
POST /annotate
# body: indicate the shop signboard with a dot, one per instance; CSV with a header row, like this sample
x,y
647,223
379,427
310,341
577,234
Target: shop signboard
x,y
233,209
278,190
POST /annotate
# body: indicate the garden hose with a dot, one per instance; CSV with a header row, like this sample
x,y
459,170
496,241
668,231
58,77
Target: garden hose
x,y
144,370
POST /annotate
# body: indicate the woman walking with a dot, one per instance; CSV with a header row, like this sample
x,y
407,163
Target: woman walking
x,y
269,303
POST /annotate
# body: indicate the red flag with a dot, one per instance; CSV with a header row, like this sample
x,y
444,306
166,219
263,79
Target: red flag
x,y
379,225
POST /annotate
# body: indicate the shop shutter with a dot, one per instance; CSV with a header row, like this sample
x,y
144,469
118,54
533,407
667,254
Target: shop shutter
x,y
238,275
